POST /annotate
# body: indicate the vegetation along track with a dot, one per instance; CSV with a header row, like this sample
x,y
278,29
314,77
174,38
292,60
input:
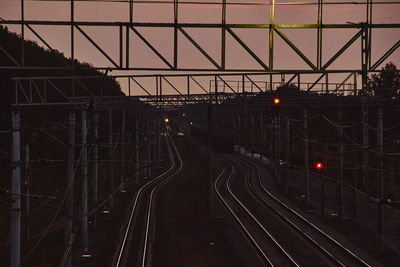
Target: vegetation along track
x,y
336,253
133,249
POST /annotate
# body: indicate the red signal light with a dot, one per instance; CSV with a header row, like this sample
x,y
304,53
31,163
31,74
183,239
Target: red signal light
x,y
277,101
319,165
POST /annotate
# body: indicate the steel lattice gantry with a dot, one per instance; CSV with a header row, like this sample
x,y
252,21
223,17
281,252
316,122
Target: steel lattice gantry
x,y
266,61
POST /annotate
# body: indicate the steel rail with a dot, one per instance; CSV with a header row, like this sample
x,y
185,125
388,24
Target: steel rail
x,y
274,241
228,185
290,223
137,197
259,249
303,219
152,196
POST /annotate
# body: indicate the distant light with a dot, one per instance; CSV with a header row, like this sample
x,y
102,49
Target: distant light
x,y
277,101
166,120
191,123
183,114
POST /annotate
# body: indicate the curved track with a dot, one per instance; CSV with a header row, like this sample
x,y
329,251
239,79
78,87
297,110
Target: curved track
x,y
304,235
269,249
133,249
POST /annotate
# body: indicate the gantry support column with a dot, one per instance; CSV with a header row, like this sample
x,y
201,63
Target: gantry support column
x,y
149,150
137,146
159,142
365,145
209,158
111,152
287,152
356,175
70,186
307,172
84,191
27,191
16,190
155,145
95,163
122,172
379,186
239,136
341,161
252,135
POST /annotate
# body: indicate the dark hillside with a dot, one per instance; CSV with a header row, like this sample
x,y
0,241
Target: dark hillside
x,y
38,56
44,130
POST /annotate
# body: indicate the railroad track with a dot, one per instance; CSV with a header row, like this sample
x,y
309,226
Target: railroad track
x,y
134,247
269,249
336,253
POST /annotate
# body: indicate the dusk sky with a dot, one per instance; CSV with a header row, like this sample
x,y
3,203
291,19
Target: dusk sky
x,y
209,39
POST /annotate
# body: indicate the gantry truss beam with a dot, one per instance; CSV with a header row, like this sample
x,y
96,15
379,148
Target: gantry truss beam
x,y
123,62
171,89
179,30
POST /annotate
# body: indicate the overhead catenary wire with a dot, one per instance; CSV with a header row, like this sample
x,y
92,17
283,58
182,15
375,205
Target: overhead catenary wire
x,y
360,146
57,211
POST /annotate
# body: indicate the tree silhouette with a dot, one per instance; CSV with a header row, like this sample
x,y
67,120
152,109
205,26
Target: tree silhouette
x,y
288,89
386,83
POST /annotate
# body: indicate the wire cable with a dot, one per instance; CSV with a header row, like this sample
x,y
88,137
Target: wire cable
x,y
58,209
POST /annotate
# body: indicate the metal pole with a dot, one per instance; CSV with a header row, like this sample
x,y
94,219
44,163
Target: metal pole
x,y
16,191
127,53
285,186
223,34
355,83
271,36
84,193
323,183
110,142
209,156
262,128
72,31
239,134
307,180
175,34
278,144
130,11
137,151
270,81
27,185
326,83
156,136
160,88
379,186
188,85
341,160
122,174
319,35
275,140
95,164
70,184
252,135
246,136
22,34
355,162
364,57
149,152
159,142
365,144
